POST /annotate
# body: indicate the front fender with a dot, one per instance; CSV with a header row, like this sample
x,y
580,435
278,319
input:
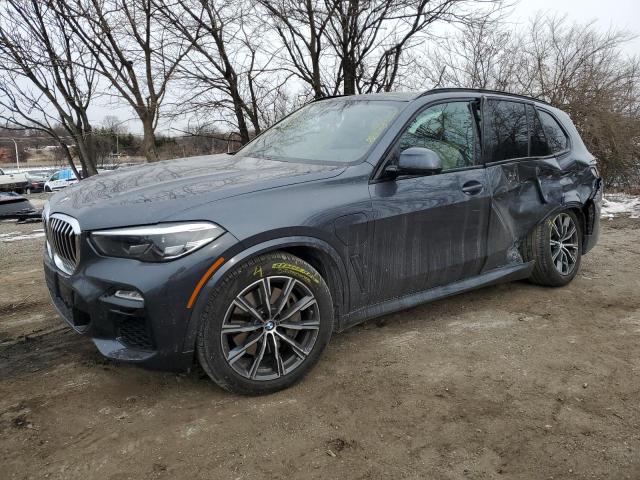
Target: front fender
x,y
254,250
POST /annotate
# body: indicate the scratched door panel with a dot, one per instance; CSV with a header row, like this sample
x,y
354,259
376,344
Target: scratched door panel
x,y
427,232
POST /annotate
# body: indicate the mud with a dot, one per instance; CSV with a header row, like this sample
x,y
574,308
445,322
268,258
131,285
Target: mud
x,y
515,381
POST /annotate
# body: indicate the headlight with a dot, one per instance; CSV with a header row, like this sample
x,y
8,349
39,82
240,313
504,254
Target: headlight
x,y
155,243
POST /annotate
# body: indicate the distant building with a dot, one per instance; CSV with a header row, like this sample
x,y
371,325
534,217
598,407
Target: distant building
x,y
5,155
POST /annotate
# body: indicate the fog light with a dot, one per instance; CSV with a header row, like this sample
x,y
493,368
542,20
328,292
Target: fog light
x,y
130,295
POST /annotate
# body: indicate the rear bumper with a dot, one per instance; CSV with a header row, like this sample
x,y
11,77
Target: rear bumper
x,y
13,187
592,219
36,187
151,333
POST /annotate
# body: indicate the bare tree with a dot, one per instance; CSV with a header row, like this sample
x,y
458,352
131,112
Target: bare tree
x,y
363,44
42,87
483,54
131,51
225,72
301,27
113,124
374,39
575,67
582,70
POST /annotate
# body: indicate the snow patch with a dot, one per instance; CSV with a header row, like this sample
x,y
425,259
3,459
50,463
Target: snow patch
x,y
616,204
18,236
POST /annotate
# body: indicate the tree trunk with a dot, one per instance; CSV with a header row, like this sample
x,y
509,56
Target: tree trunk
x,y
242,125
349,73
149,140
67,152
243,130
348,23
86,152
317,82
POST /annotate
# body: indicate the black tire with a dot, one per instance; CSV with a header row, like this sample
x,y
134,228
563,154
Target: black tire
x,y
215,349
538,247
47,190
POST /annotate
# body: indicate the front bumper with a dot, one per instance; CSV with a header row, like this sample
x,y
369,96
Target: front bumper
x,y
152,333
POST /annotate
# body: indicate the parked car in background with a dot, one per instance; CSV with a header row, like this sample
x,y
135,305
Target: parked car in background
x,y
348,209
60,179
36,180
13,205
13,182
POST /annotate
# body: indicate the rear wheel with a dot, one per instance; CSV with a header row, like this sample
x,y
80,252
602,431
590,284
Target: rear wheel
x,y
556,247
265,325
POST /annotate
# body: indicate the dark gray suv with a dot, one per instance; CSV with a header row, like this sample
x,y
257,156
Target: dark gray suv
x,y
350,208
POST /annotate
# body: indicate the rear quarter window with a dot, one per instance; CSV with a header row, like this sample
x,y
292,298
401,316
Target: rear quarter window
x,y
556,138
538,146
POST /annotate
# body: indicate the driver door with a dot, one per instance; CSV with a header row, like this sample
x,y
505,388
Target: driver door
x,y
431,230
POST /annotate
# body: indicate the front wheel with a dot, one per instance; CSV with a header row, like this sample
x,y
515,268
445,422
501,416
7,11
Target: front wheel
x,y
265,325
556,247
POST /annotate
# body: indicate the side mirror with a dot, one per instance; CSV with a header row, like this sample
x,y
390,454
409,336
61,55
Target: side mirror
x,y
417,161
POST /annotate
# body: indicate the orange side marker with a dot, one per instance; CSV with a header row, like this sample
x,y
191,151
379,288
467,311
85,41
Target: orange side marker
x,y
203,280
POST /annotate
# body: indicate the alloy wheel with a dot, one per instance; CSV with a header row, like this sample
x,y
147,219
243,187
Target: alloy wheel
x,y
270,328
564,243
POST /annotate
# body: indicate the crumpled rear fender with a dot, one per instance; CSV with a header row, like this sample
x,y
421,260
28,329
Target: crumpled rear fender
x,y
526,192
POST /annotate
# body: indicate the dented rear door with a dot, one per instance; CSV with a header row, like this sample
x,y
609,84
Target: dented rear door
x,y
526,178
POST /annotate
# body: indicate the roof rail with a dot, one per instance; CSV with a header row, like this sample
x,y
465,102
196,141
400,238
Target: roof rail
x,y
482,90
328,97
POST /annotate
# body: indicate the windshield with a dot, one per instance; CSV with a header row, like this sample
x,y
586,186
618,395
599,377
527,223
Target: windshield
x,y
336,131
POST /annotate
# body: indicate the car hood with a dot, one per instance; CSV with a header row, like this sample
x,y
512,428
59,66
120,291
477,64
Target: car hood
x,y
152,193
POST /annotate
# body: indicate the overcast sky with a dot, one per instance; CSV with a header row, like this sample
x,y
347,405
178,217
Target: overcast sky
x,y
619,14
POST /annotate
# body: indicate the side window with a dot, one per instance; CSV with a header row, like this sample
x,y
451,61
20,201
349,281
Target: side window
x,y
448,129
506,130
538,142
556,137
55,177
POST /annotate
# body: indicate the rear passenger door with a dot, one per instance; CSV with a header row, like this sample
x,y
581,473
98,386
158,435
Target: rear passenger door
x,y
522,145
430,230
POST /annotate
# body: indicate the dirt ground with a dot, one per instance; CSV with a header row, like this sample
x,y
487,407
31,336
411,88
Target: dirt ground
x,y
514,381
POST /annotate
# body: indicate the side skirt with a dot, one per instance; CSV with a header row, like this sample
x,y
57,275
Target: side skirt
x,y
492,277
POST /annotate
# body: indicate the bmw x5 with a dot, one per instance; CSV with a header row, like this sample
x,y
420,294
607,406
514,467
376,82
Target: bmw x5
x,y
349,208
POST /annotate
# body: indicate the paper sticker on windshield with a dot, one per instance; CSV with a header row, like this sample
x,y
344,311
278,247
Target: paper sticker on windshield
x,y
378,127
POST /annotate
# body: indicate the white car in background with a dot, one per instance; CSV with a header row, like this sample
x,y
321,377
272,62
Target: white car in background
x,y
13,182
60,179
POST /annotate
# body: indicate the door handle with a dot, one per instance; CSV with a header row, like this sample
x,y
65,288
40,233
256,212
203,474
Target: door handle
x,y
472,187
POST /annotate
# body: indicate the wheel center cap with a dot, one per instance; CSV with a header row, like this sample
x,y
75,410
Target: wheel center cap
x,y
269,326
